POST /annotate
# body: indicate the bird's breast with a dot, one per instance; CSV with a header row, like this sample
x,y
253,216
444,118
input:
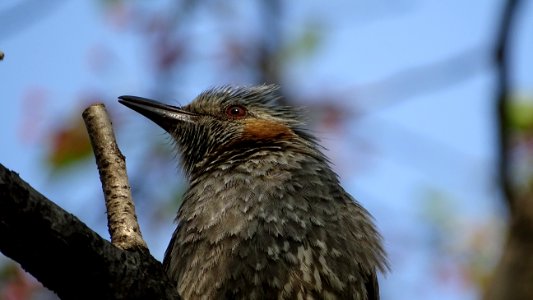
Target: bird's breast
x,y
262,227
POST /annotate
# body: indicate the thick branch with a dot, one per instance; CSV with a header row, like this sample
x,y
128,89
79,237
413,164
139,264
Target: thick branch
x,y
121,219
67,256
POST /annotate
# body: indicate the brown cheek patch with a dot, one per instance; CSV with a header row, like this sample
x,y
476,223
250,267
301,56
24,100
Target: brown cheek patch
x,y
255,129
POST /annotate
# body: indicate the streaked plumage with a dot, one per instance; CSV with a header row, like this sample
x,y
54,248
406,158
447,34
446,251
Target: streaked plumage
x,y
264,216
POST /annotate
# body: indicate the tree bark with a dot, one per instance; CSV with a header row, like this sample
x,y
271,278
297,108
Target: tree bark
x,y
122,222
67,256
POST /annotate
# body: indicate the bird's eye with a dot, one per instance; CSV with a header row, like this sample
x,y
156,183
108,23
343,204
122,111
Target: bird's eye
x,y
236,111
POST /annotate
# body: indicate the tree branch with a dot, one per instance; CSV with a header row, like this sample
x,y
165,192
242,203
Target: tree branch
x,y
500,59
67,256
121,219
513,276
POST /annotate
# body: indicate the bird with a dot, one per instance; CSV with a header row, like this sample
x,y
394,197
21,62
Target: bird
x,y
264,215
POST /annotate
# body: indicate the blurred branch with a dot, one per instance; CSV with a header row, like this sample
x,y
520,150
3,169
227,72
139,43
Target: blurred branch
x,y
396,88
422,79
514,273
67,256
501,53
24,14
122,221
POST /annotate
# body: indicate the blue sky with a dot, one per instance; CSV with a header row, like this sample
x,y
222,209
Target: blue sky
x,y
424,141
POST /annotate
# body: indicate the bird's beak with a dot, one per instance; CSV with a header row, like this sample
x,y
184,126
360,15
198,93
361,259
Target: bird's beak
x,y
164,115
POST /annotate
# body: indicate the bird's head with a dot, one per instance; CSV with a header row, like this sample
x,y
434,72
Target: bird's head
x,y
226,121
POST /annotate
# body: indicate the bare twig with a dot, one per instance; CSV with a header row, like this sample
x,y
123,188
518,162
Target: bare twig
x,y
122,221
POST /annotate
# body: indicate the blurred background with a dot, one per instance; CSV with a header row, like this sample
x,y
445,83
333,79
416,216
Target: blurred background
x,y
403,94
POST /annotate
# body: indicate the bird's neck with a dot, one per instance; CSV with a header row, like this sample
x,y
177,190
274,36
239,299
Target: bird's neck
x,y
251,182
264,155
